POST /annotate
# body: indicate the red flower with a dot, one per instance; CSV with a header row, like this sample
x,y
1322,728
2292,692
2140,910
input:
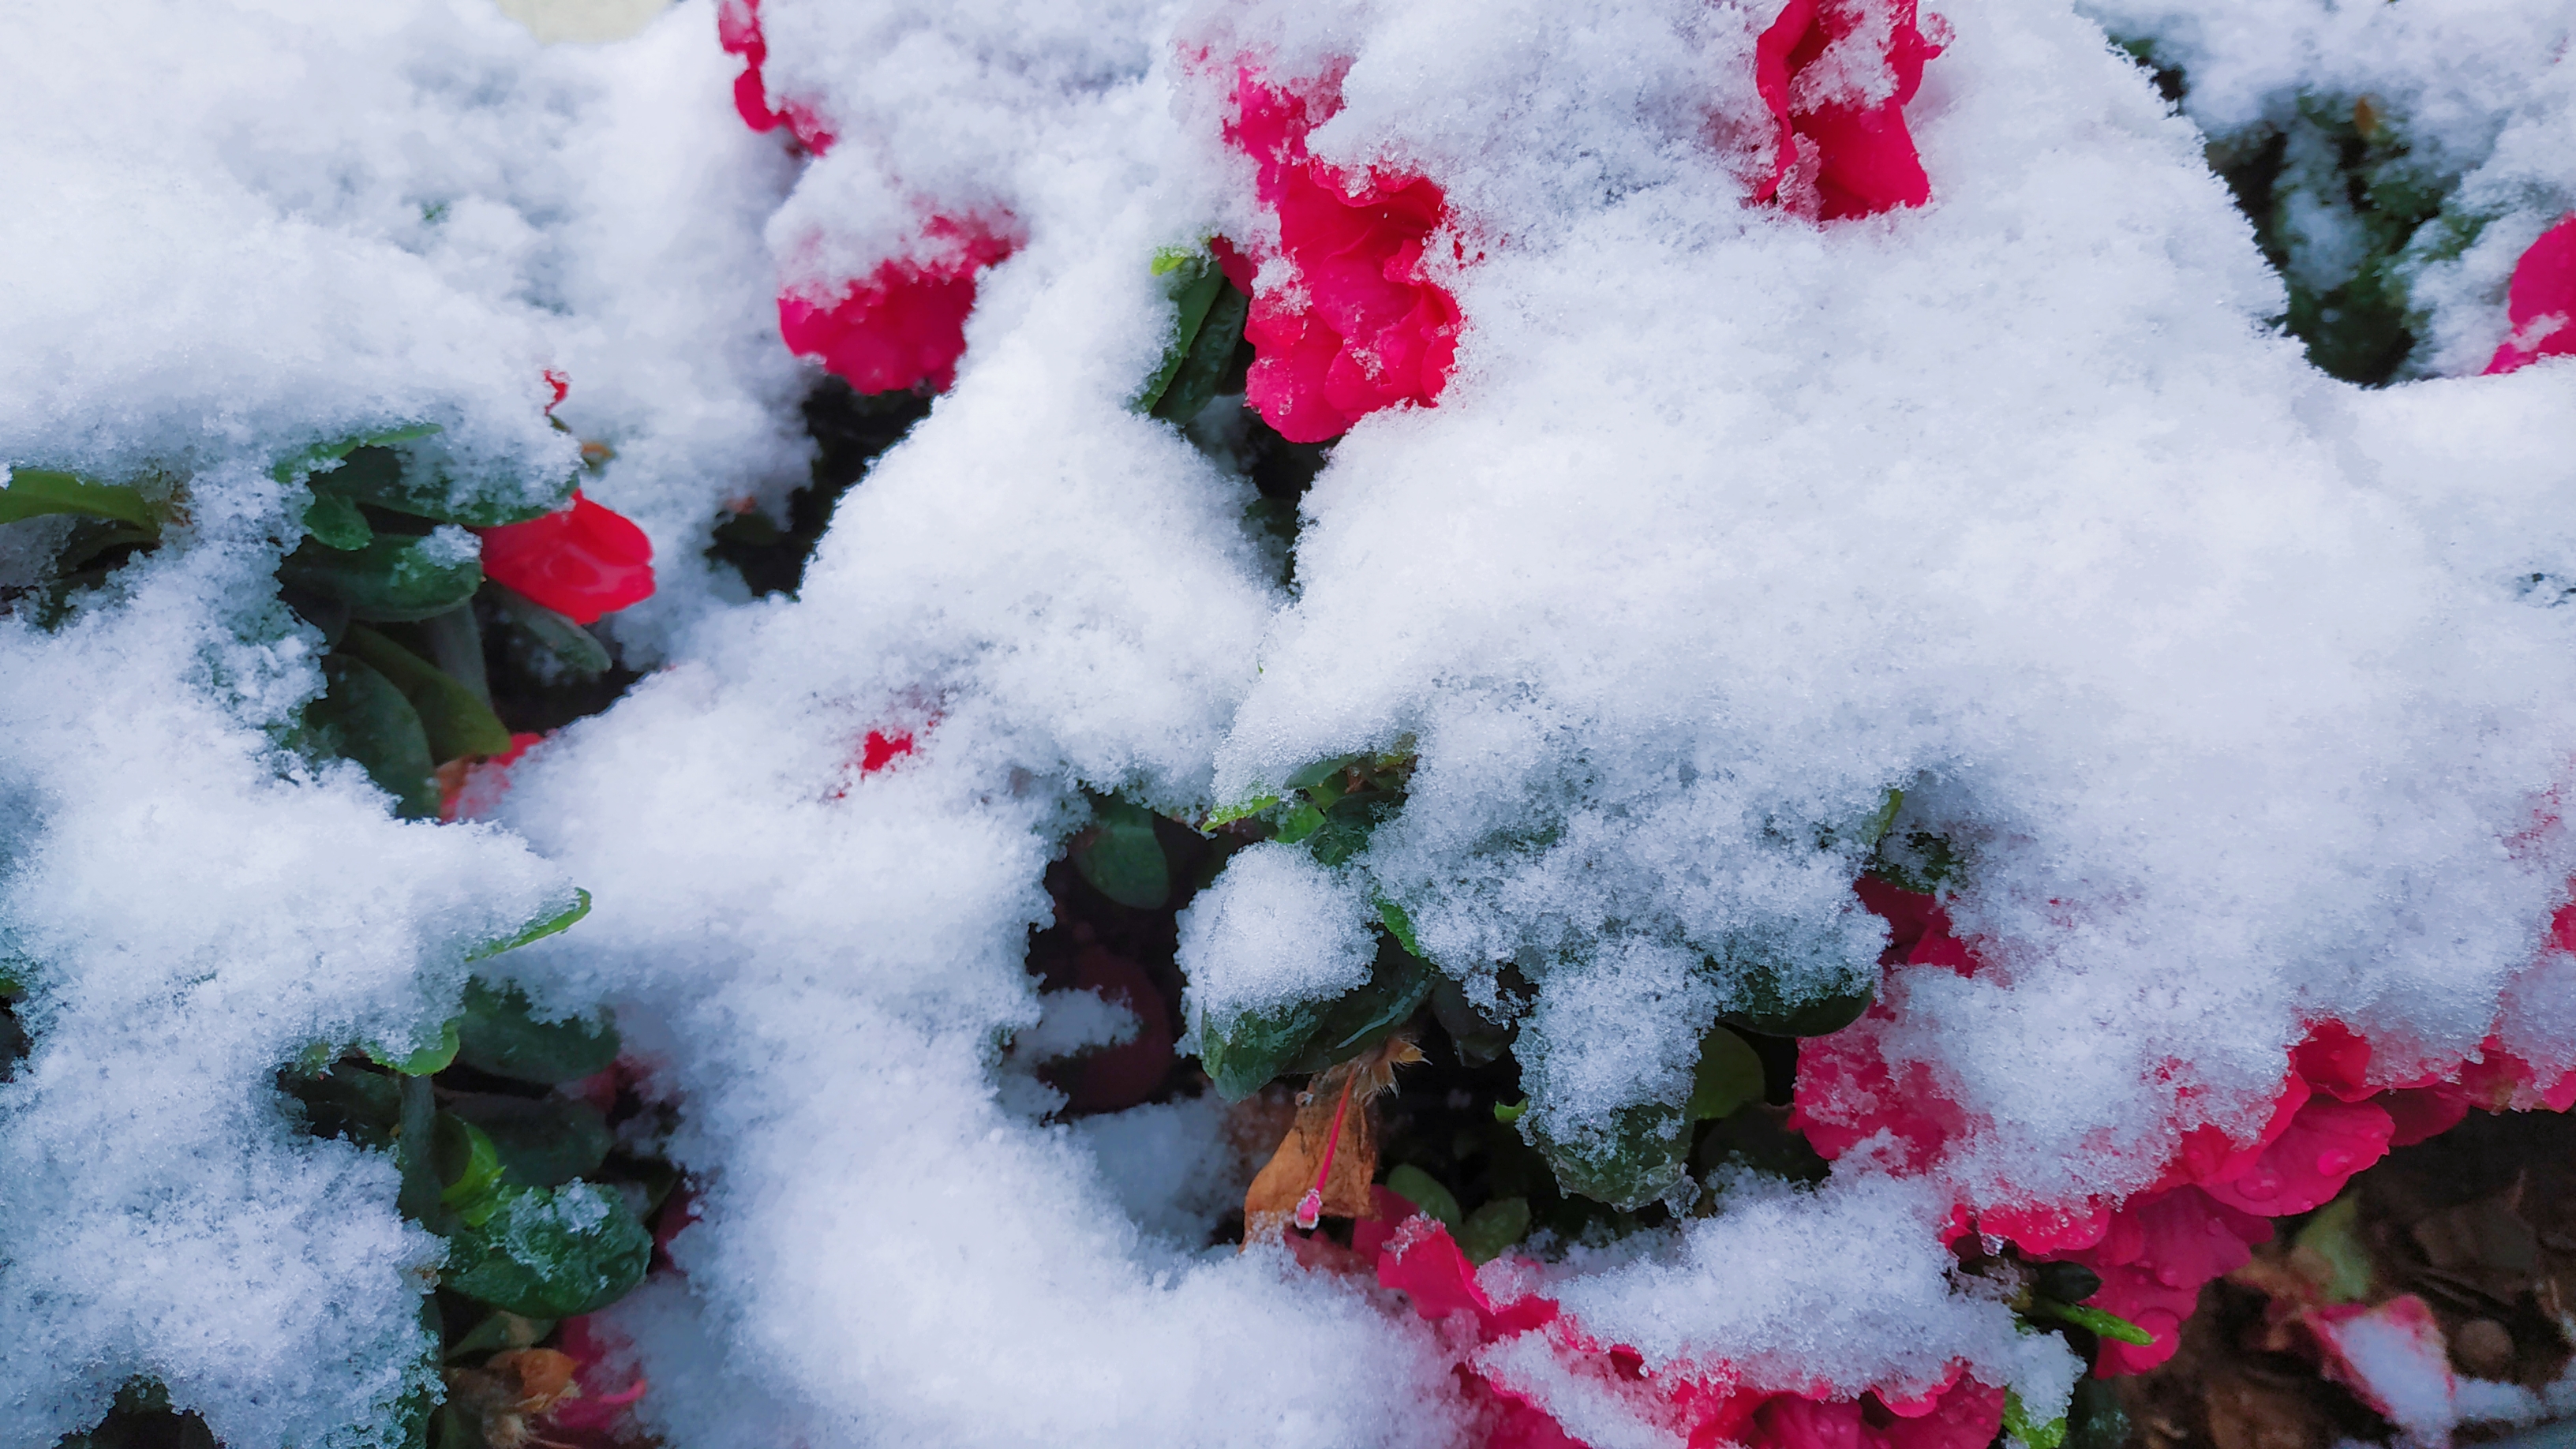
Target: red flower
x,y
738,31
472,789
583,562
592,1417
2542,302
2155,1254
1836,75
905,325
1354,324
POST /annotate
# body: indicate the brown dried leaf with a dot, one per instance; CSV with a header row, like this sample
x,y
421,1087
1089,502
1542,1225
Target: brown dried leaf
x,y
1345,1091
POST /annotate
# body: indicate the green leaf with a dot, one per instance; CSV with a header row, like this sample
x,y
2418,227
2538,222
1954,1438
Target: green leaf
x,y
550,1252
1763,1001
1192,284
288,470
455,723
2331,1241
1876,829
1398,924
1121,858
1728,1077
2097,1419
1917,861
1229,814
347,1101
1637,1157
1399,983
1509,1112
415,1137
537,930
1495,1226
393,580
426,1061
1478,1037
469,1169
1426,1192
1347,827
35,492
1301,821
415,482
1195,371
573,646
1322,770
335,522
538,1141
2017,1423
366,719
500,1330
1245,1053
2105,1325
499,1035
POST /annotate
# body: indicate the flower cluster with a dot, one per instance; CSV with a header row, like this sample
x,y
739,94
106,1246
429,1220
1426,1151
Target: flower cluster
x,y
1346,319
2217,1195
1700,1404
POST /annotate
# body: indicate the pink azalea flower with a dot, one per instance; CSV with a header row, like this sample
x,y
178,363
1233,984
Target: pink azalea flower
x,y
582,562
2156,1253
904,325
1353,323
1842,148
2541,302
2325,1143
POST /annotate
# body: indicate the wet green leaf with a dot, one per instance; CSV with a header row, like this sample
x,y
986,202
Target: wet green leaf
x,y
2017,1423
1194,383
335,522
1191,282
1247,1052
573,646
347,1101
469,1170
1763,1000
1493,1227
1399,983
1301,822
322,454
550,1252
35,492
2331,1241
454,722
1229,814
538,1141
500,1036
363,717
1729,1075
1426,1192
412,480
1398,924
1478,1037
1637,1157
1321,771
395,579
1121,858
559,920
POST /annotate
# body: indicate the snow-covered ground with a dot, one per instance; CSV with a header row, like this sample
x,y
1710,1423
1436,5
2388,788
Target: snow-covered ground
x,y
2229,680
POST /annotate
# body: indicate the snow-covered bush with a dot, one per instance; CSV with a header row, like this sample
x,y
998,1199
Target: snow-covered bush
x,y
1679,722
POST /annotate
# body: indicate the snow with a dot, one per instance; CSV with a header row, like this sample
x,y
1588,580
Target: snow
x,y
1728,524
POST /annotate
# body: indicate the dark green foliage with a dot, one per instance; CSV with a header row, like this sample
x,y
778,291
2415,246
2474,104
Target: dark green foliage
x,y
361,716
499,1035
453,721
394,579
550,1252
1766,996
407,477
537,1141
36,492
1120,856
